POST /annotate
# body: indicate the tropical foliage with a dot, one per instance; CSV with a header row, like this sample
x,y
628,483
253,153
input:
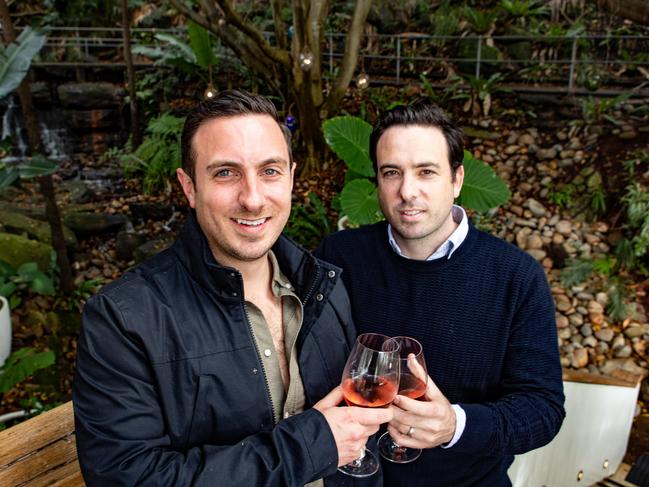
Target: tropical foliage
x,y
348,137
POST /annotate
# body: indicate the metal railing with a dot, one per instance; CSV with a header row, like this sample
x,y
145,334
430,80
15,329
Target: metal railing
x,y
400,58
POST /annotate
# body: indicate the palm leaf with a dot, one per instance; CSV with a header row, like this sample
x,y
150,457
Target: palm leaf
x,y
183,47
16,58
349,138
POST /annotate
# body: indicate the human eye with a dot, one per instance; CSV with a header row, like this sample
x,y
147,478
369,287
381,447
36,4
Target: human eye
x,y
389,173
223,173
271,171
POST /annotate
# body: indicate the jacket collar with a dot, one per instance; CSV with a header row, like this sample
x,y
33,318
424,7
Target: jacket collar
x,y
304,271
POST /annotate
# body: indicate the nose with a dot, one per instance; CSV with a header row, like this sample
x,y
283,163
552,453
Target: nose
x,y
251,195
408,188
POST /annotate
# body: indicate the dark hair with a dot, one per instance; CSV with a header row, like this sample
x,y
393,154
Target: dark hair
x,y
425,114
228,103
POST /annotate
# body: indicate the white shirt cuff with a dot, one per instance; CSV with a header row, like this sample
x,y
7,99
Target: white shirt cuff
x,y
460,423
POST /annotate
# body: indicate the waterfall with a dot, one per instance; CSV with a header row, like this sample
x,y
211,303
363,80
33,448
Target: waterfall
x,y
52,138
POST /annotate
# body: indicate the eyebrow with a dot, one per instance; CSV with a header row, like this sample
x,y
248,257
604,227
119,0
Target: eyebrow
x,y
226,163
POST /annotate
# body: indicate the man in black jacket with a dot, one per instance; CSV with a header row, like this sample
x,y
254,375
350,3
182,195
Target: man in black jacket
x,y
217,361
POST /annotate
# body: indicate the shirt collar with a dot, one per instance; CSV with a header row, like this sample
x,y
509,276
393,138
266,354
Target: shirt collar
x,y
450,245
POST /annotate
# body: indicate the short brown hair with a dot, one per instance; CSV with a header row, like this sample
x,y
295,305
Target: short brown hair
x,y
226,104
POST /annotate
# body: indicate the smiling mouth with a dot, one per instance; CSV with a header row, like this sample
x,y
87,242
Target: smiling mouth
x,y
251,223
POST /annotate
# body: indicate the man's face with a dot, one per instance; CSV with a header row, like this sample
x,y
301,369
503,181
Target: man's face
x,y
416,187
242,186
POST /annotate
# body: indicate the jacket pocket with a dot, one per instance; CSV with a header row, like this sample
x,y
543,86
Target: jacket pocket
x,y
229,405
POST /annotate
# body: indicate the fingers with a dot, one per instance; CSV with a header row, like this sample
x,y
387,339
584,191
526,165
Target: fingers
x,y
332,399
416,368
371,416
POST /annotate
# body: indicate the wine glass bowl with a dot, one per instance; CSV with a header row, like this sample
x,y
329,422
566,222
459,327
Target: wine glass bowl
x,y
412,383
370,379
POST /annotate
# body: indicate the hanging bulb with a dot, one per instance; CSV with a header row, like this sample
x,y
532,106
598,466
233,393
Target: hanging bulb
x,y
363,81
306,59
209,92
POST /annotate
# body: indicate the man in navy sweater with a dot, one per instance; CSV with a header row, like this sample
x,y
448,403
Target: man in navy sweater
x,y
481,308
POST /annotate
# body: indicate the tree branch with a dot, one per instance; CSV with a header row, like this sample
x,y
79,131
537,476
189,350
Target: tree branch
x,y
280,26
253,34
352,44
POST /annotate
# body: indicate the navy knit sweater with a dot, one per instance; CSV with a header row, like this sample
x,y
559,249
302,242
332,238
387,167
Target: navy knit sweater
x,y
485,318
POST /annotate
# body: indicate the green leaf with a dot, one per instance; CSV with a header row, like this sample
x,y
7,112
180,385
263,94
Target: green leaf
x,y
22,364
42,284
349,138
38,165
28,271
7,289
8,175
482,188
360,202
16,58
199,38
6,269
183,47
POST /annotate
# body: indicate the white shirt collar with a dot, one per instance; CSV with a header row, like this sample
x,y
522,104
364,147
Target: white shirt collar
x,y
450,245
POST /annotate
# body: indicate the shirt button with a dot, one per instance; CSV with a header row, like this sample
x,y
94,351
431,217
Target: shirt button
x,y
286,414
319,297
267,352
331,274
235,294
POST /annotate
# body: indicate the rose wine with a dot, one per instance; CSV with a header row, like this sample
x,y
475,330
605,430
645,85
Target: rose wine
x,y
369,391
411,386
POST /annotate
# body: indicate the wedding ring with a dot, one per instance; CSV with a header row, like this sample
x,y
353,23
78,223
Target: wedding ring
x,y
411,430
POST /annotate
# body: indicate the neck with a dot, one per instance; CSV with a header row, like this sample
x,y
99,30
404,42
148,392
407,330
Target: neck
x,y
424,247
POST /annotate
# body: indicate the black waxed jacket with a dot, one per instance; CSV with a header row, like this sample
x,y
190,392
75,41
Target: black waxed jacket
x,y
170,390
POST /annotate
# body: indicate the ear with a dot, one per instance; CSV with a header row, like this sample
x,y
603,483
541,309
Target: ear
x,y
188,186
459,179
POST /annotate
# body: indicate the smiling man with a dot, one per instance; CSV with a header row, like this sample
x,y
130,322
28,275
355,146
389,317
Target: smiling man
x,y
481,308
217,362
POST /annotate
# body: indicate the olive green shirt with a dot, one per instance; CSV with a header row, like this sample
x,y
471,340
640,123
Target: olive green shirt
x,y
287,399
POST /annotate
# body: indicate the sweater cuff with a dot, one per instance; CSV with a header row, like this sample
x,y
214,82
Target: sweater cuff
x,y
478,429
318,440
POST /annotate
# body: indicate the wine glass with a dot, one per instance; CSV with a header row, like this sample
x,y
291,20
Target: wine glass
x,y
370,380
412,383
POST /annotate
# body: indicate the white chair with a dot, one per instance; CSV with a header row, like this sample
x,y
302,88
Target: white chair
x,y
593,438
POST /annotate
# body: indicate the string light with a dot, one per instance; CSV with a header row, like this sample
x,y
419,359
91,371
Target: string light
x,y
306,59
363,81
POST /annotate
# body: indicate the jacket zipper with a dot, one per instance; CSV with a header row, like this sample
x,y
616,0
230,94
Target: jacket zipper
x,y
261,362
313,283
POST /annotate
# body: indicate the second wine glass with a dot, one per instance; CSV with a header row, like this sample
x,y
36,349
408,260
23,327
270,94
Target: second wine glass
x,y
370,380
412,384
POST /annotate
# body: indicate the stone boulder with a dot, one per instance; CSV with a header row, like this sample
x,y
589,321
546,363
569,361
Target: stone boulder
x,y
37,229
90,95
89,224
17,250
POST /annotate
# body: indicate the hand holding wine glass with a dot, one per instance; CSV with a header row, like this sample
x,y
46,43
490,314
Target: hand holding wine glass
x,y
370,380
412,384
426,422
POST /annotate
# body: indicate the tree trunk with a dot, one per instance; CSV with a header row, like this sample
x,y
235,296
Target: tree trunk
x,y
46,182
634,10
130,70
301,90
